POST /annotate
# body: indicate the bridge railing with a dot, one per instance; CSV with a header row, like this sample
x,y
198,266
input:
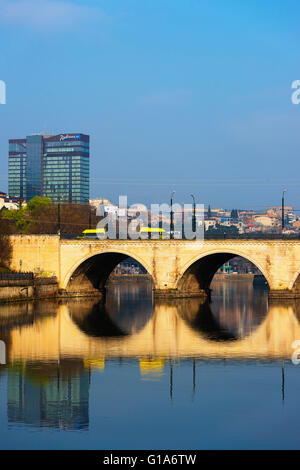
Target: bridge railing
x,y
16,276
214,236
252,236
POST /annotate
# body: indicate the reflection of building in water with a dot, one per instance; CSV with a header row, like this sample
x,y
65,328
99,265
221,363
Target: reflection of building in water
x,y
49,401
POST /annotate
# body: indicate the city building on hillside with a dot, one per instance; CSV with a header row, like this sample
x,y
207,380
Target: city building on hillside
x,y
209,224
265,220
253,227
99,201
278,210
54,166
10,202
290,217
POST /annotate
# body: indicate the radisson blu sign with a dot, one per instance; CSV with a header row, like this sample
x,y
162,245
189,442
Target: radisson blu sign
x,y
69,137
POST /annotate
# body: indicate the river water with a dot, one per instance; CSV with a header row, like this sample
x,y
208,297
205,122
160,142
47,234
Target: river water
x,y
143,373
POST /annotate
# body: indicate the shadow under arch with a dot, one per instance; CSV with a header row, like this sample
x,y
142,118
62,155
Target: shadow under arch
x,y
203,317
198,275
90,275
95,321
112,317
197,314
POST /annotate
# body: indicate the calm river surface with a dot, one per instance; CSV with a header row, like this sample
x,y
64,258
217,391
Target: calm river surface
x,y
135,373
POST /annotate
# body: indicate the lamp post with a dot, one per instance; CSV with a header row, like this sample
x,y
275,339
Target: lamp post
x,y
172,217
90,217
282,209
58,217
194,214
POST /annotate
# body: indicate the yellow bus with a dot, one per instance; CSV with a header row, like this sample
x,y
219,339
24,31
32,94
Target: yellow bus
x,y
101,233
94,233
146,232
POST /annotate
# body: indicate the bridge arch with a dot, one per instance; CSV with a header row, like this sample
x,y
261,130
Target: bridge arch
x,y
197,274
91,272
295,282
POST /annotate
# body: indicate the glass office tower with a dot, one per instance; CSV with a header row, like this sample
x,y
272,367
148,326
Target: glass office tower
x,y
17,168
34,152
66,168
55,166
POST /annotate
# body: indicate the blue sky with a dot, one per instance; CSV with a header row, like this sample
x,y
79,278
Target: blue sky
x,y
188,95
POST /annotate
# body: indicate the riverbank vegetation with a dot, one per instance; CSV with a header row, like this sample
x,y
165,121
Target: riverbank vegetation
x,y
41,216
5,245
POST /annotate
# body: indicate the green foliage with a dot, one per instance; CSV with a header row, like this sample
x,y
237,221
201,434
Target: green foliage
x,y
37,203
5,245
18,218
41,216
23,218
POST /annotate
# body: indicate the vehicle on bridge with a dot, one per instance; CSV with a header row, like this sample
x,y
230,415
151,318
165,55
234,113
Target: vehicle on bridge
x,y
145,232
93,234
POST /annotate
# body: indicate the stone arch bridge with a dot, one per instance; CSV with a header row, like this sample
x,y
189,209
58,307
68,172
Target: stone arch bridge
x,y
179,268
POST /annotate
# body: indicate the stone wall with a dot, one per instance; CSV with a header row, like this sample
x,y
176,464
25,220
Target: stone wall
x,y
18,292
36,253
27,290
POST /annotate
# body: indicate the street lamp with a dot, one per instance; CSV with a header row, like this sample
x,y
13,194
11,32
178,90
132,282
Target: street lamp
x,y
58,217
282,209
172,217
194,214
90,217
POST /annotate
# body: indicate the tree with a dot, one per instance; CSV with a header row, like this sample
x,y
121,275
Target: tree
x,y
41,216
74,218
5,244
22,218
18,219
38,203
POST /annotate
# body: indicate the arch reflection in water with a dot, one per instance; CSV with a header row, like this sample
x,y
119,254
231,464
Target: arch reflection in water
x,y
235,311
127,310
87,331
